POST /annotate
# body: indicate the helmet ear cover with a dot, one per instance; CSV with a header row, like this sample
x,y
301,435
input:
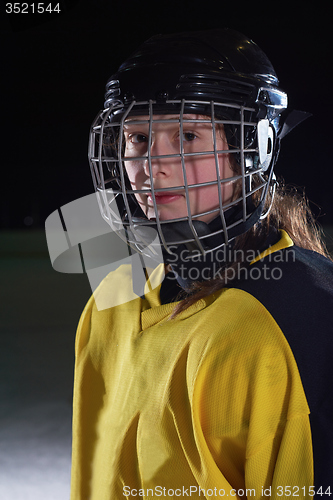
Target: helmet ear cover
x,y
265,143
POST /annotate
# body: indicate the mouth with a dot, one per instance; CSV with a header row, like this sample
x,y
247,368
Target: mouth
x,y
163,198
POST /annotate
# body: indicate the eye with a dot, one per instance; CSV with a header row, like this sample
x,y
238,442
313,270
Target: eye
x,y
189,136
137,138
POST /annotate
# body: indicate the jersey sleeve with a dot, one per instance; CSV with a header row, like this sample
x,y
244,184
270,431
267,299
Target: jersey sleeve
x,y
253,416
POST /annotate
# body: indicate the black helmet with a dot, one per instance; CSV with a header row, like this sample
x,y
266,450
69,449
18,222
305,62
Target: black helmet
x,y
219,76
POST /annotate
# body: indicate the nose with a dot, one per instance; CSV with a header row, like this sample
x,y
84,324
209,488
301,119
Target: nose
x,y
161,166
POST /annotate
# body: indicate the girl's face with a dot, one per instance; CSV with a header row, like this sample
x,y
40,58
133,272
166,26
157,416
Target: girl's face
x,y
168,173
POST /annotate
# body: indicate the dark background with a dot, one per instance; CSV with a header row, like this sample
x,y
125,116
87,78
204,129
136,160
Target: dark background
x,y
56,67
53,72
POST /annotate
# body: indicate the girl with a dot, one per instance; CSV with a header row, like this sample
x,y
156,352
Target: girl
x,y
214,383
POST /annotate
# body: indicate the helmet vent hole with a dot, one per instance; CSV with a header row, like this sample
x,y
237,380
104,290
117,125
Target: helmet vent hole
x,y
269,146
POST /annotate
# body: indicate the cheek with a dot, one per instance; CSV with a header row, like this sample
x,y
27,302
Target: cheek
x,y
205,171
228,188
137,178
135,173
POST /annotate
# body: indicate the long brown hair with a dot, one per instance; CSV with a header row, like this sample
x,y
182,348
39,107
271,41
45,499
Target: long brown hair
x,y
289,211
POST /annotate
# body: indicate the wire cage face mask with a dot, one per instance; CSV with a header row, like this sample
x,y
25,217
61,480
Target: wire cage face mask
x,y
210,195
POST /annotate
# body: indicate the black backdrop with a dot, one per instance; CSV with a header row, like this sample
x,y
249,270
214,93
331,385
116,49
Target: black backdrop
x,y
56,65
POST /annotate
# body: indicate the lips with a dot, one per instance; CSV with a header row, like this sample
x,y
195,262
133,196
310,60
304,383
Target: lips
x,y
163,198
